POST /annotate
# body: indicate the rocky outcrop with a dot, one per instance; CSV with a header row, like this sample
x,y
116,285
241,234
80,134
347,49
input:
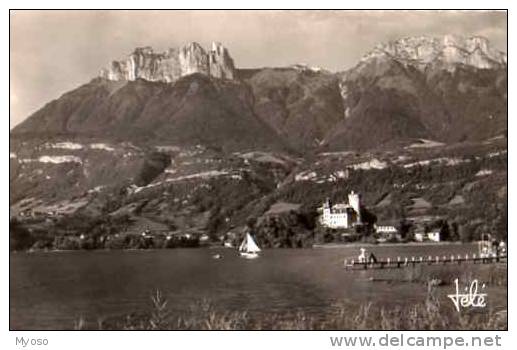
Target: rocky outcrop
x,y
193,59
145,64
450,89
172,64
447,51
220,63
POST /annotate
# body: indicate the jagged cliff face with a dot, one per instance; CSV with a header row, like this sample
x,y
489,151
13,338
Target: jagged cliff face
x,y
446,51
220,63
449,89
173,64
193,59
146,64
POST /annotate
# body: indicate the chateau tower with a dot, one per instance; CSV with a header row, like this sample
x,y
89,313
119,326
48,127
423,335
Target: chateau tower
x,y
355,202
327,208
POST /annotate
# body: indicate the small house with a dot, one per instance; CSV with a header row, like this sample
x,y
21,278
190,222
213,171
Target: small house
x,y
386,232
419,236
434,236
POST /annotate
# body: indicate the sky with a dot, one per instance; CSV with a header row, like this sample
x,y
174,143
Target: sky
x,y
52,52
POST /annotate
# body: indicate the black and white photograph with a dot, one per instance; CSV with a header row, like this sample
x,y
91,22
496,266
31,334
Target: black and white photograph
x,y
308,170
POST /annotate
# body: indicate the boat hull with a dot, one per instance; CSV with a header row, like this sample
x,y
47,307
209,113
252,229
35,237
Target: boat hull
x,y
248,255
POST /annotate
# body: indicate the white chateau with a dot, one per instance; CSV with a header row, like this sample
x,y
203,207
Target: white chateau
x,y
342,215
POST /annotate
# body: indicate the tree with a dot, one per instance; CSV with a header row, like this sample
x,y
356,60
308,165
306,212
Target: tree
x,y
500,225
250,222
367,216
19,237
455,235
403,228
466,233
445,232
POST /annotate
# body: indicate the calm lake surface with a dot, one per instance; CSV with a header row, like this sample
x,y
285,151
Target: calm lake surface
x,y
52,290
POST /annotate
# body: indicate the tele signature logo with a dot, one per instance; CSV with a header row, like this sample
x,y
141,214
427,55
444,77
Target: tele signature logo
x,y
471,297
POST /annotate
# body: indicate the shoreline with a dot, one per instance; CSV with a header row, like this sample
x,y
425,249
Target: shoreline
x,y
410,244
315,246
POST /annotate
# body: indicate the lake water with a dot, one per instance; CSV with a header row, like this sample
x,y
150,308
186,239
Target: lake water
x,y
52,290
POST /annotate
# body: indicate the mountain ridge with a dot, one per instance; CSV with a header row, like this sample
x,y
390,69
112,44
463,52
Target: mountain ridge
x,y
169,66
406,88
448,50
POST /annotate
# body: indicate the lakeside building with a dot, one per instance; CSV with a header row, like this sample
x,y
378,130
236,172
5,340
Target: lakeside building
x,y
342,215
428,236
386,232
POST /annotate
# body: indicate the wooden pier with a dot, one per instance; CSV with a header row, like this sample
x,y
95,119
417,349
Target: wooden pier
x,y
399,262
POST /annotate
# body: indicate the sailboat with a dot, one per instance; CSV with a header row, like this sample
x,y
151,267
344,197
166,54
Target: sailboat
x,y
248,248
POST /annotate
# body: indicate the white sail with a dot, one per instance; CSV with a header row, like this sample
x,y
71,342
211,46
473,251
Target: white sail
x,y
252,246
242,247
248,245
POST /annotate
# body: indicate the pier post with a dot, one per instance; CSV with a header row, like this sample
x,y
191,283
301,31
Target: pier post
x,y
437,258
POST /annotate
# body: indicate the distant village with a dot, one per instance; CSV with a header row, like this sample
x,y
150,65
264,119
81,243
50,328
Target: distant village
x,y
340,222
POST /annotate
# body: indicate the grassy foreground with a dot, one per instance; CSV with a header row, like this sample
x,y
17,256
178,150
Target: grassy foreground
x,y
428,315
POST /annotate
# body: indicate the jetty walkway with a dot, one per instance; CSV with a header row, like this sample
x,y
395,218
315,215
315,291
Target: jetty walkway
x,y
402,262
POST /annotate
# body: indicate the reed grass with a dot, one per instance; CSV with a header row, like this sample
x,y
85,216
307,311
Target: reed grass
x,y
428,315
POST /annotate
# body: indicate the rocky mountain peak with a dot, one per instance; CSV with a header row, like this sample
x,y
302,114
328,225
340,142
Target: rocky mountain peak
x,y
169,66
220,63
448,51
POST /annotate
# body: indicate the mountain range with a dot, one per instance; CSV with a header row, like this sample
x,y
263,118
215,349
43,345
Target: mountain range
x,y
449,89
154,120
